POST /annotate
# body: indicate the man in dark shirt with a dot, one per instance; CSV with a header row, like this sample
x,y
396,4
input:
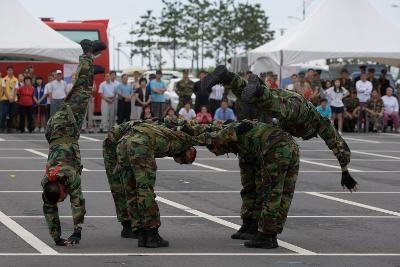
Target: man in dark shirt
x,y
363,70
201,97
372,79
383,82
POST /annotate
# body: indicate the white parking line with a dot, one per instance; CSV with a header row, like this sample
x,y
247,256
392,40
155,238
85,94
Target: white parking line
x,y
27,236
374,154
228,224
44,155
327,165
90,138
2,139
354,203
362,140
208,254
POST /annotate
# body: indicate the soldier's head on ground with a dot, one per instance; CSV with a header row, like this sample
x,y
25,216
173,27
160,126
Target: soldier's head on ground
x,y
186,157
53,192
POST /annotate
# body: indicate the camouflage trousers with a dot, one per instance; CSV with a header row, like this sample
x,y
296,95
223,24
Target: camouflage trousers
x,y
137,169
114,178
376,122
269,184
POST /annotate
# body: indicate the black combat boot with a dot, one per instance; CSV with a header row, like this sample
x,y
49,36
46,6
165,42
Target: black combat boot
x,y
251,232
97,69
127,230
142,238
92,47
154,240
267,241
219,75
245,226
254,88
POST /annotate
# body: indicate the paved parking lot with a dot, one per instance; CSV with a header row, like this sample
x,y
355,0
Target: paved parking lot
x,y
200,207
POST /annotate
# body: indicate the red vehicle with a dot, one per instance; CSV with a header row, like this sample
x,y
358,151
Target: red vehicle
x,y
76,31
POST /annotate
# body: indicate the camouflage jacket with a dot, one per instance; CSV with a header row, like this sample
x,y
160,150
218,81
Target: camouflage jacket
x,y
184,89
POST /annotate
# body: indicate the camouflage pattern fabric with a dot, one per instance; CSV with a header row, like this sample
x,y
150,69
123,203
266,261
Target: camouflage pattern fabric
x,y
184,89
296,116
136,166
269,164
376,121
62,134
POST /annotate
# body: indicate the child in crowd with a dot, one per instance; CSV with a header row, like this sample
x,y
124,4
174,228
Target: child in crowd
x,y
40,105
187,113
25,104
335,94
170,115
204,117
324,109
146,113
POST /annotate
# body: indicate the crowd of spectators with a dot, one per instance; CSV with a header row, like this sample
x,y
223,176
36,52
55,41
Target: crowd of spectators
x,y
362,104
365,104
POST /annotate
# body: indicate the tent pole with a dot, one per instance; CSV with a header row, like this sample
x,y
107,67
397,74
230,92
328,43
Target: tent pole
x,y
280,68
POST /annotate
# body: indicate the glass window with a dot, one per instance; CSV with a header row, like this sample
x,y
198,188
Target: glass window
x,y
79,35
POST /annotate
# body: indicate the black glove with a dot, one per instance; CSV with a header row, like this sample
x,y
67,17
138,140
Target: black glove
x,y
348,181
243,127
76,236
62,242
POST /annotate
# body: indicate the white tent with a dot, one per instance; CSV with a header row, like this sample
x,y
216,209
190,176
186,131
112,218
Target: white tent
x,y
26,36
336,29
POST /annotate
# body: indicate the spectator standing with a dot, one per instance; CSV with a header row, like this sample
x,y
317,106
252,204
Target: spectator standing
x,y
71,84
316,96
146,114
217,93
8,98
336,95
304,87
383,82
224,113
324,109
125,93
50,78
293,79
391,112
363,70
317,80
40,105
187,113
204,117
107,92
25,104
345,80
364,89
143,98
184,90
375,109
135,85
372,79
87,125
158,89
351,107
58,92
310,76
201,96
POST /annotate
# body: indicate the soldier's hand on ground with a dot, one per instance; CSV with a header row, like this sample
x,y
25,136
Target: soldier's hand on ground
x,y
62,242
243,127
349,182
75,238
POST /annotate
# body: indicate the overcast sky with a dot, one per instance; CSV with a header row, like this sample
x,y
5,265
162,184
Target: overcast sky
x,y
128,11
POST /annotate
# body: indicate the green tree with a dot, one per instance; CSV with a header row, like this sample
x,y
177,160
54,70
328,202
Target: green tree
x,y
171,25
252,26
147,32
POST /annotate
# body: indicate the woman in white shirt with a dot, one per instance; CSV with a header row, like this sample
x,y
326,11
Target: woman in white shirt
x,y
336,95
187,113
391,109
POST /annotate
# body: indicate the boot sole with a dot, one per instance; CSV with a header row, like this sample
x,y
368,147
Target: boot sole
x,y
263,247
157,246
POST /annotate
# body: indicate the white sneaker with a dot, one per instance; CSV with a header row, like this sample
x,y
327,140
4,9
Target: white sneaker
x,y
36,130
340,132
42,130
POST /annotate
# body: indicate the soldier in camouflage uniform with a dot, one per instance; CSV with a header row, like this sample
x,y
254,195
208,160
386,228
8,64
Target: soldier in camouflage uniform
x,y
184,89
269,164
295,114
64,166
136,167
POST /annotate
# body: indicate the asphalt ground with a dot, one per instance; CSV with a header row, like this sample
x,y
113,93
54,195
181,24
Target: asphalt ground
x,y
200,207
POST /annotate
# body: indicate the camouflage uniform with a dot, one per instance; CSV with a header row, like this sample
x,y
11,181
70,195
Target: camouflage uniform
x,y
296,116
269,163
350,104
136,166
376,121
62,134
184,89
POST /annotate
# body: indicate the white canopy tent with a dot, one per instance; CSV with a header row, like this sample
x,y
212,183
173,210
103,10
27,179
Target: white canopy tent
x,y
336,29
24,35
